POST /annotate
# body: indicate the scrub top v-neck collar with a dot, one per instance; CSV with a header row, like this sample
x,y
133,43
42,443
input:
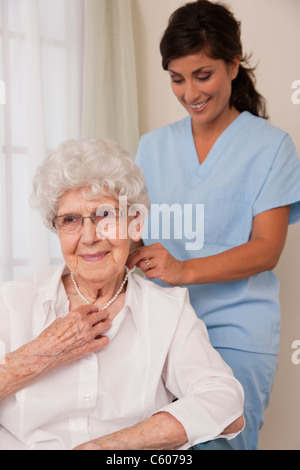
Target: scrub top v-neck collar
x,y
200,172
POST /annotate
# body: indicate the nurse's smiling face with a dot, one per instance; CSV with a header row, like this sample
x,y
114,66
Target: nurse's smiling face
x,y
203,86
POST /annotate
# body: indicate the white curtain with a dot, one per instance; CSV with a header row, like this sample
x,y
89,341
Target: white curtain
x,y
69,71
110,107
39,253
41,65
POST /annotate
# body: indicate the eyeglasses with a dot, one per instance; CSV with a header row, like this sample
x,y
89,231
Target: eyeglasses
x,y
72,223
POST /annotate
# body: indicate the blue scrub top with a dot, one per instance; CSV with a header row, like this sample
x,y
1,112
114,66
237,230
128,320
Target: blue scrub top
x,y
253,167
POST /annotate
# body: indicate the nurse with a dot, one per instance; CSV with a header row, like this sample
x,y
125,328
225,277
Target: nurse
x,y
227,159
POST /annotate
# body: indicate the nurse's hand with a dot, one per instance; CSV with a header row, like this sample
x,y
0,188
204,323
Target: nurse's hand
x,y
156,262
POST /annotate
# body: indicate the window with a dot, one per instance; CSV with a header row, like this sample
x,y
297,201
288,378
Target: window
x,y
41,67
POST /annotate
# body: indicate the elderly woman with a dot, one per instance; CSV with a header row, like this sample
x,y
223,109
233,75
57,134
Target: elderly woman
x,y
95,353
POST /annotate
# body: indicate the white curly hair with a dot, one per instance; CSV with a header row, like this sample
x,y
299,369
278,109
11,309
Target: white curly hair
x,y
100,165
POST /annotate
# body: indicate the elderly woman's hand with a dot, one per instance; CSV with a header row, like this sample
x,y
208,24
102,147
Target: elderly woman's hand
x,y
161,431
66,340
76,335
103,444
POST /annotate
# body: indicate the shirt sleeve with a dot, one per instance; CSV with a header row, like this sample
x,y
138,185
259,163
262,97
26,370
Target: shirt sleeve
x,y
209,398
282,184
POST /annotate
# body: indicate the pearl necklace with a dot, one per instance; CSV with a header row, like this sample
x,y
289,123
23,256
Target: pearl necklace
x,y
111,300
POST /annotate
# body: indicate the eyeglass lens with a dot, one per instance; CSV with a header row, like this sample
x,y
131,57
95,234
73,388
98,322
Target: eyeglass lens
x,y
71,223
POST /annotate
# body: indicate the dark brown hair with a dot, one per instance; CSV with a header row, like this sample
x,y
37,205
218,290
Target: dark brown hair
x,y
212,28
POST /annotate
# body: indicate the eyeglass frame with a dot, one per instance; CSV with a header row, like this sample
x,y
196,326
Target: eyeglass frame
x,y
92,216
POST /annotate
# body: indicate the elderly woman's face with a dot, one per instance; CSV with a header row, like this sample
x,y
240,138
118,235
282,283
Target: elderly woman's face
x,y
96,252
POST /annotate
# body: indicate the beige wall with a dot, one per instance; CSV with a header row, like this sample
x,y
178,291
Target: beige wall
x,y
271,30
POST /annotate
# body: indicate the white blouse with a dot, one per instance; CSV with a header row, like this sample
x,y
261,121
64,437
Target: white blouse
x,y
158,350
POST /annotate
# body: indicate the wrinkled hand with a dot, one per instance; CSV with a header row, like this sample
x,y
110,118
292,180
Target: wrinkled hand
x,y
156,262
108,445
103,443
75,336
